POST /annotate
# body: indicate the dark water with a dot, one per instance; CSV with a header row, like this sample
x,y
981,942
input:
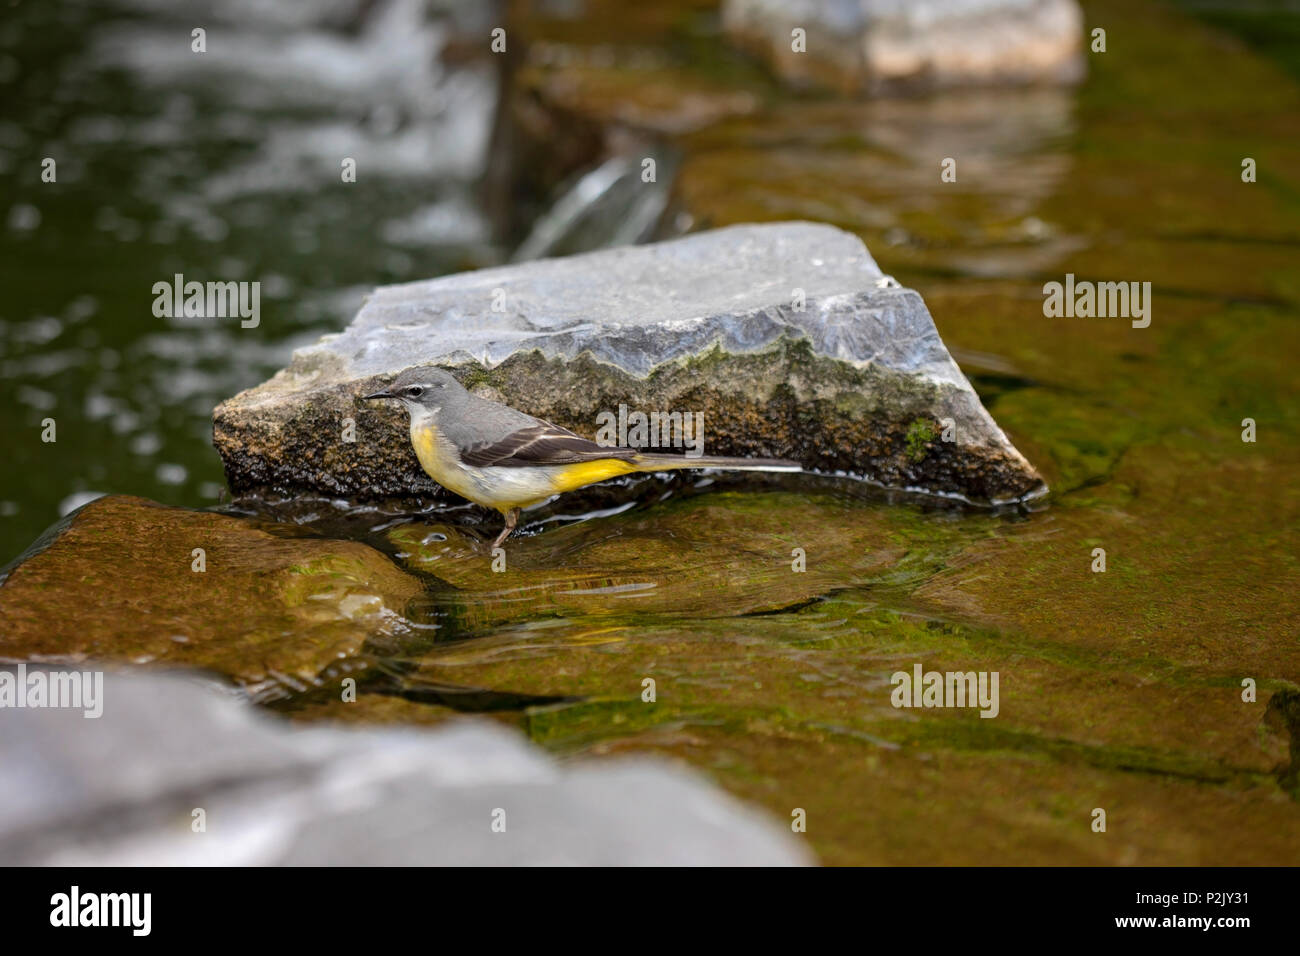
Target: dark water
x,y
1119,689
219,166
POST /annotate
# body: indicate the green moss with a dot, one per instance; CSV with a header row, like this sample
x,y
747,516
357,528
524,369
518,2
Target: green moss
x,y
474,375
919,435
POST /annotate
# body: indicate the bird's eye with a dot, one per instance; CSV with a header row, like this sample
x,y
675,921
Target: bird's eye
x,y
415,391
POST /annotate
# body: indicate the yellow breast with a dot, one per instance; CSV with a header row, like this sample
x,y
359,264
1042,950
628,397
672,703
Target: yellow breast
x,y
424,438
439,461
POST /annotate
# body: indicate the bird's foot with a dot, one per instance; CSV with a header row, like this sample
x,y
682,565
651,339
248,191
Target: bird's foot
x,y
512,518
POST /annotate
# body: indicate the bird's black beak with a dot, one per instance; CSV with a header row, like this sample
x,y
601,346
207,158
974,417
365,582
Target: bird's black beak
x,y
373,395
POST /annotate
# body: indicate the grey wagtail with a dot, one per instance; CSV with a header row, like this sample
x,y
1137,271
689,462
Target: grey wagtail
x,y
502,458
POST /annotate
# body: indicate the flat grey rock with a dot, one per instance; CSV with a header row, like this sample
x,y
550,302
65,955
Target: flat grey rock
x,y
886,45
787,337
121,790
639,307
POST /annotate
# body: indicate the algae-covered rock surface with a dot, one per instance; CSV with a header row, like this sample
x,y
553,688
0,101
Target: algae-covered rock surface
x,y
130,581
787,338
756,634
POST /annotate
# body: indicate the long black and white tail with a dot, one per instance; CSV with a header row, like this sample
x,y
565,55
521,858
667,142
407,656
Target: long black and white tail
x,y
671,462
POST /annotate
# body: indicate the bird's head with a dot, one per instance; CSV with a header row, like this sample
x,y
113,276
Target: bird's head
x,y
424,390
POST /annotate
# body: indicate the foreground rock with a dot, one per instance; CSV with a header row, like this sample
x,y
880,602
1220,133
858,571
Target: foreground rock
x,y
123,789
883,45
786,337
132,581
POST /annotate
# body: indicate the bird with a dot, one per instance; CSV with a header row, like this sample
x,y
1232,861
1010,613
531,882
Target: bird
x,y
499,457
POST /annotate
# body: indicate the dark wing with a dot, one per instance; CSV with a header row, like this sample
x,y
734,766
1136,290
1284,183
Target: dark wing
x,y
540,444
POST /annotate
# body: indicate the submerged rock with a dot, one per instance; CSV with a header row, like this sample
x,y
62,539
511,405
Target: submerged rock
x,y
127,580
880,45
787,338
131,786
673,559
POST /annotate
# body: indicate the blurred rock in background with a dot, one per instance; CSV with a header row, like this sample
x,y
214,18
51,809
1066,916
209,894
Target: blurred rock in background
x,y
877,46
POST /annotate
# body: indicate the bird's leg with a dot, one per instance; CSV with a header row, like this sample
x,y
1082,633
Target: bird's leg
x,y
512,518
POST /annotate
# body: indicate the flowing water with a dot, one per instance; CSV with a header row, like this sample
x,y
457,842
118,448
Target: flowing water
x,y
1119,690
